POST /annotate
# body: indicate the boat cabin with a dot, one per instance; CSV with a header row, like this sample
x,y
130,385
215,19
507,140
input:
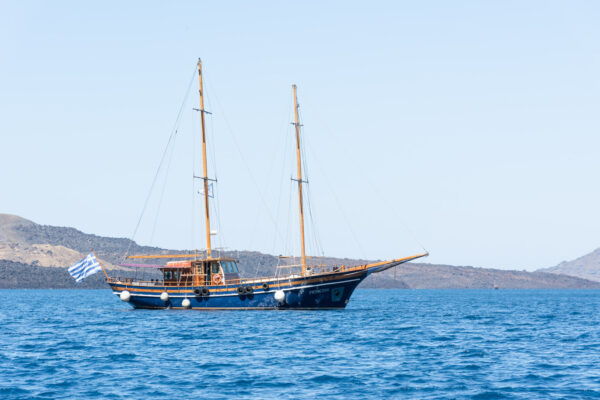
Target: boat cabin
x,y
200,272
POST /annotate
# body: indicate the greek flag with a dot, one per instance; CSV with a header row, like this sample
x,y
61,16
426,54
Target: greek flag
x,y
84,268
210,191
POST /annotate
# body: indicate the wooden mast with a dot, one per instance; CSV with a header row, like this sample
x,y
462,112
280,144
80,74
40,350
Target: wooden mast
x,y
205,176
299,159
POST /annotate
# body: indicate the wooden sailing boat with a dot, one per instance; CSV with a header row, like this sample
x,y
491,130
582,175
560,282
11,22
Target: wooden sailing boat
x,y
201,281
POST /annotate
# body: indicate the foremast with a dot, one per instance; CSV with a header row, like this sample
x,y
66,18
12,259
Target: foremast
x,y
296,124
204,163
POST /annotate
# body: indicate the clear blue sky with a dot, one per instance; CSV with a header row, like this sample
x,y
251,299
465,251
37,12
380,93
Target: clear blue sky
x,y
472,127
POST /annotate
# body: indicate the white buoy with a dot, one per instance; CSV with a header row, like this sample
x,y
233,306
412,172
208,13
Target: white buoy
x,y
125,296
280,296
164,296
185,303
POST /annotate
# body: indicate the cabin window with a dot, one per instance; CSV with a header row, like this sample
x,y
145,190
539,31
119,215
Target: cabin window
x,y
229,267
167,275
176,275
214,268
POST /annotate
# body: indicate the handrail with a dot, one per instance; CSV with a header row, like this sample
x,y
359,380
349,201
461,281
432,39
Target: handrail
x,y
374,267
230,282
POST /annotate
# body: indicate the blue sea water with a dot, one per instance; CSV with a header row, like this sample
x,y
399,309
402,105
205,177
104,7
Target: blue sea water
x,y
429,344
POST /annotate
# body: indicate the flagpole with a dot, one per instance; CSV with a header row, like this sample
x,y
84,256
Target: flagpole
x,y
103,270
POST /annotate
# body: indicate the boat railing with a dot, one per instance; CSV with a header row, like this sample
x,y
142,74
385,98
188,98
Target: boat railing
x,y
310,271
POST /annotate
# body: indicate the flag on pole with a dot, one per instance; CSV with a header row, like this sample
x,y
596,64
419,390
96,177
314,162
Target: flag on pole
x,y
84,268
210,191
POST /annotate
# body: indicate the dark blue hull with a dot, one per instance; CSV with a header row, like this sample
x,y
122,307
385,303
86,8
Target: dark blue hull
x,y
306,293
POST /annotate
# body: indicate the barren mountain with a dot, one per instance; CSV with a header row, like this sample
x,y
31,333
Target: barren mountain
x,y
586,267
33,255
430,276
43,255
26,242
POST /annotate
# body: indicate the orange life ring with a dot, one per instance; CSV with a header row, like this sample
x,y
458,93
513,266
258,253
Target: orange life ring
x,y
217,278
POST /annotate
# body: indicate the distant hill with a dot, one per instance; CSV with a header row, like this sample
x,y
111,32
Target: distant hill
x,y
15,275
36,256
20,232
430,276
586,267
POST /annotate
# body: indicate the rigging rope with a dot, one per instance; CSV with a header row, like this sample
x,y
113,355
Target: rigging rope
x,y
288,137
171,138
339,204
365,178
270,172
162,193
315,237
193,231
246,165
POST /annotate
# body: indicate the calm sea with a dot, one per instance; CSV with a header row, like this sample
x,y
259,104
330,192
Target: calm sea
x,y
430,344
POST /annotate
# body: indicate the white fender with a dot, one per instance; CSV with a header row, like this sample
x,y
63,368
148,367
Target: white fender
x,y
185,303
164,296
125,296
280,296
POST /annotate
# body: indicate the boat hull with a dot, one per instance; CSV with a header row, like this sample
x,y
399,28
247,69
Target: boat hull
x,y
328,292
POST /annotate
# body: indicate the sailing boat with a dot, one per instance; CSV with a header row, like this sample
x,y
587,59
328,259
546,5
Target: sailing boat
x,y
207,282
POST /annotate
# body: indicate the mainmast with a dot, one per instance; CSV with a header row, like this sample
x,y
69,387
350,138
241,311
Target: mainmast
x,y
205,176
298,155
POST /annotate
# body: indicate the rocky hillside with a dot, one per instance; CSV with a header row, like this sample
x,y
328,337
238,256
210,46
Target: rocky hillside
x,y
24,276
430,276
36,256
20,233
586,267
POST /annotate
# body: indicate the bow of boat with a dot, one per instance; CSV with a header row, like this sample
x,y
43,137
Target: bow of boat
x,y
381,266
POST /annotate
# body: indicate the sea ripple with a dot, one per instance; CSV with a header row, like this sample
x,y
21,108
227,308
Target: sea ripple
x,y
424,344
